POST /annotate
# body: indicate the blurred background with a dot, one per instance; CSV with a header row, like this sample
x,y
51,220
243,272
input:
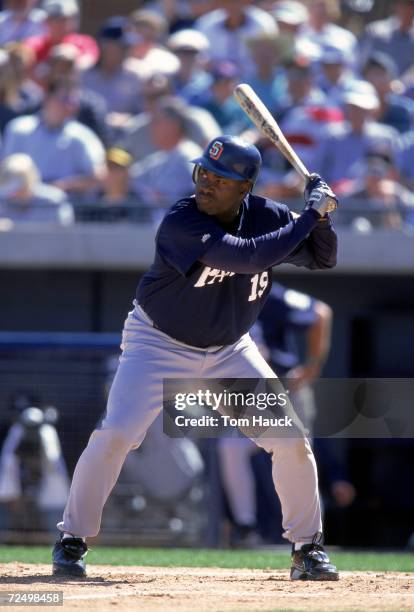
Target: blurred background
x,y
100,114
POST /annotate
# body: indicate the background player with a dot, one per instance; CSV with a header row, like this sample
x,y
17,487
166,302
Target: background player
x,y
285,317
209,280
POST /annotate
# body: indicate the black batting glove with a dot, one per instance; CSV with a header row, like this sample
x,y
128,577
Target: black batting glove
x,y
314,180
319,196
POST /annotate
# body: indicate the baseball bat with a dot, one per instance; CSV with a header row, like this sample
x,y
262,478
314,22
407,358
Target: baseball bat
x,y
267,125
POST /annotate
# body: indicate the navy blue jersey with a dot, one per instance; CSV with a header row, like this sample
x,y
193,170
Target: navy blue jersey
x,y
285,313
206,286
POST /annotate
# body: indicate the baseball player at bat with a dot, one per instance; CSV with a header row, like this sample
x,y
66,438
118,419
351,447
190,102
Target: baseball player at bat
x,y
209,280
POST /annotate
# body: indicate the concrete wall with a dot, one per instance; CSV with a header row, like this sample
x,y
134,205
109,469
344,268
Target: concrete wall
x,y
107,246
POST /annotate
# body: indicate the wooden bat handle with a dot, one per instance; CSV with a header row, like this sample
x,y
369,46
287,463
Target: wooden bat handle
x,y
267,125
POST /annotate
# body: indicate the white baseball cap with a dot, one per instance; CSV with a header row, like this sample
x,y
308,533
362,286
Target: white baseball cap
x,y
361,94
188,39
290,12
17,171
333,55
65,51
61,8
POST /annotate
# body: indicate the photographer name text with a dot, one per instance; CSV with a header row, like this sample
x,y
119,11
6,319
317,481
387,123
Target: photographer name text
x,y
228,421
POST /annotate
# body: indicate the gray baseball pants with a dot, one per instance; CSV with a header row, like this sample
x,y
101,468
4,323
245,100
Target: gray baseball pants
x,y
149,356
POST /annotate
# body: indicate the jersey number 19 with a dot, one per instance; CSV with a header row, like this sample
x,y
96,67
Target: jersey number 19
x,y
259,283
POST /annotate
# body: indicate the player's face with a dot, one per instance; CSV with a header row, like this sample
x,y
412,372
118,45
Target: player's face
x,y
219,196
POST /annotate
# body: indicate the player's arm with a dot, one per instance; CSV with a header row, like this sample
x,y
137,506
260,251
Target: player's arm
x,y
302,241
185,237
318,341
253,255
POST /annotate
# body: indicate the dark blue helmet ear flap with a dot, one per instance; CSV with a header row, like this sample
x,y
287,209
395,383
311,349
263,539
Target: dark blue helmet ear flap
x,y
230,157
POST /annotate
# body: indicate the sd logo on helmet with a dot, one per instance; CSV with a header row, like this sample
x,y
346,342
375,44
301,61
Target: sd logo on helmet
x,y
230,157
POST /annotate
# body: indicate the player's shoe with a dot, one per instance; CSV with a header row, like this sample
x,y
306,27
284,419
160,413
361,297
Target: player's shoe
x,y
68,557
312,563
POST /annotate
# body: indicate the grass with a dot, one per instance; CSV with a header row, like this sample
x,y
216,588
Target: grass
x,y
170,557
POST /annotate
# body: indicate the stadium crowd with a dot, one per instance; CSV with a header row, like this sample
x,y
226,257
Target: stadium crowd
x,y
115,119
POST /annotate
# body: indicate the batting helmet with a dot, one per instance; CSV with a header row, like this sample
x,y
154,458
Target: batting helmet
x,y
231,157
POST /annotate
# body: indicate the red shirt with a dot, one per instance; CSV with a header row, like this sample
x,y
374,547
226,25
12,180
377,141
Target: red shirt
x,y
87,46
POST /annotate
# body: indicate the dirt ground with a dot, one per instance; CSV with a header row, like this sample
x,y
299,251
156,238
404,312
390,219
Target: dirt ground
x,y
189,589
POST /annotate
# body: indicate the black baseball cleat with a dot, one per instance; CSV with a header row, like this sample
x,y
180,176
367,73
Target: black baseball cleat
x,y
312,563
68,557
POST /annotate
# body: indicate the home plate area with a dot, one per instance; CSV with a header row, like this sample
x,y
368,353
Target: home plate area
x,y
213,589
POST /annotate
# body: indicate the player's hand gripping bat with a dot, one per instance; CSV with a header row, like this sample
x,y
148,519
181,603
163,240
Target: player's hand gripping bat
x,y
266,123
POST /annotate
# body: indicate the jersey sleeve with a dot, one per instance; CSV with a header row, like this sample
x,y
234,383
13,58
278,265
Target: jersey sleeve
x,y
184,236
253,255
319,250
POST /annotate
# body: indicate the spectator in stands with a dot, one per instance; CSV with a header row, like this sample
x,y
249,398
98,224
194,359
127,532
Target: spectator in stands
x,y
120,87
395,110
189,46
320,30
117,185
62,24
335,76
290,16
306,128
18,94
386,203
137,137
302,89
147,56
92,109
406,84
302,114
393,35
181,14
166,175
21,60
24,198
404,159
229,26
347,143
19,20
155,87
62,62
67,154
218,98
268,78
